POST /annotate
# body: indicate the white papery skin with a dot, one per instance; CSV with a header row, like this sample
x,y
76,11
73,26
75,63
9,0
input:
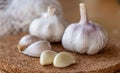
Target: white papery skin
x,y
37,48
48,27
16,15
26,41
85,36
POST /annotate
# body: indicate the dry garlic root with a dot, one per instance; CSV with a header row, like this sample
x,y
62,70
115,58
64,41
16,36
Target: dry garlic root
x,y
63,59
26,41
85,36
49,26
47,57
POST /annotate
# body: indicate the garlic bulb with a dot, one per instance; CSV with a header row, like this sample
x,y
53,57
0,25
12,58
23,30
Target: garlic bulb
x,y
49,26
16,15
26,41
37,48
85,36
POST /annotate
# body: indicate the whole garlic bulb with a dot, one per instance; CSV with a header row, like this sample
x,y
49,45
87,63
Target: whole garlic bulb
x,y
49,26
85,36
16,15
37,48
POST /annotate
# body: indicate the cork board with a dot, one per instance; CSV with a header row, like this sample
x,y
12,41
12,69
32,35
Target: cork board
x,y
107,61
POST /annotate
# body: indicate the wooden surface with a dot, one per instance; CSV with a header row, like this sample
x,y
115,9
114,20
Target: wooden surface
x,y
104,12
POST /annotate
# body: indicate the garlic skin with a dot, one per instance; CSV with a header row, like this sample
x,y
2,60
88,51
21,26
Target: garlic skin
x,y
26,41
47,57
16,15
85,36
49,26
37,48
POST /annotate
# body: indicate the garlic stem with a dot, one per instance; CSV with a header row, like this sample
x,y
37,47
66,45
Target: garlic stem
x,y
51,11
83,13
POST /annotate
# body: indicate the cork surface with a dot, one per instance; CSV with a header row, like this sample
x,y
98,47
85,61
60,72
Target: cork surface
x,y
107,61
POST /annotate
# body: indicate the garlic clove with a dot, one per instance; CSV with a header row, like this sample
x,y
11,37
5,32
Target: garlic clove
x,y
26,41
63,59
37,48
47,57
49,26
85,36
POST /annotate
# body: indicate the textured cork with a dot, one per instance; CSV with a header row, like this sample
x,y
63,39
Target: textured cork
x,y
11,61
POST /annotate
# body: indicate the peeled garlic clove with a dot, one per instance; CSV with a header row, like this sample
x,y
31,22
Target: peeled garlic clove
x,y
37,48
63,59
49,26
85,36
26,41
47,57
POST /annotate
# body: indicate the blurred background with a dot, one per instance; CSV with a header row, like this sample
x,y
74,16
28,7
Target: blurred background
x,y
104,12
